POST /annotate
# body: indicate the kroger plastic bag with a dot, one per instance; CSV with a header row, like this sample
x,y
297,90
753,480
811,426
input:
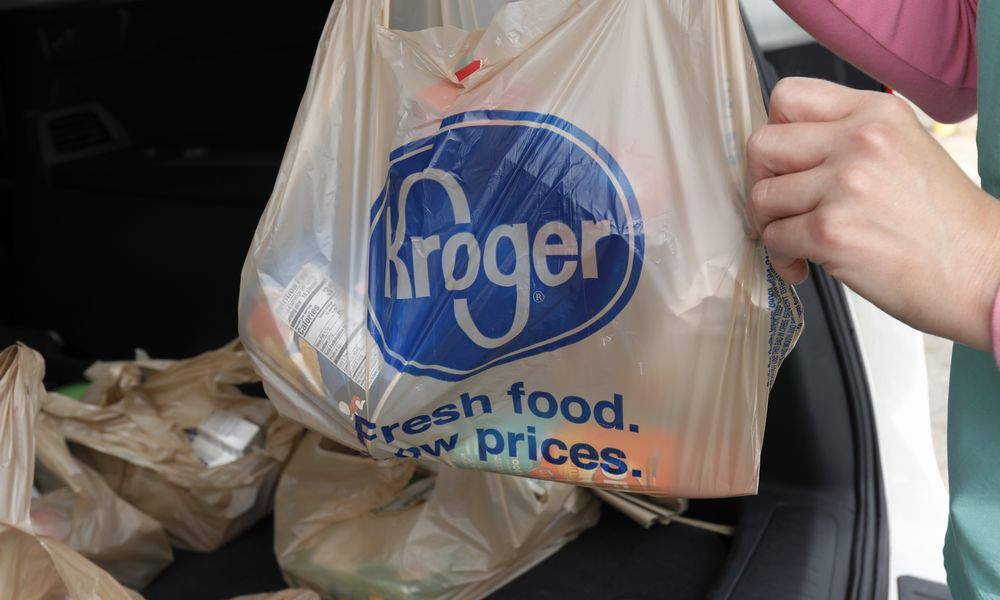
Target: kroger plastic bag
x,y
141,444
352,527
33,566
79,509
523,250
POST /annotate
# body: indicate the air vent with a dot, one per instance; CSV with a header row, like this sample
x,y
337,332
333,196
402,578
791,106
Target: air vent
x,y
78,131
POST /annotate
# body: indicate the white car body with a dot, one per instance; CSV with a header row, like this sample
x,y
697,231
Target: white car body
x,y
915,495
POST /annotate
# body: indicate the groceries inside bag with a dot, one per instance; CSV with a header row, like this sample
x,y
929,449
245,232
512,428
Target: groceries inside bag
x,y
354,528
523,249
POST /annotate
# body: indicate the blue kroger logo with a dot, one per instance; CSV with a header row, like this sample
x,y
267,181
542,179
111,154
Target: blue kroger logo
x,y
504,235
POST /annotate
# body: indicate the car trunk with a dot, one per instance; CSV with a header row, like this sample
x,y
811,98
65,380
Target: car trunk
x,y
140,140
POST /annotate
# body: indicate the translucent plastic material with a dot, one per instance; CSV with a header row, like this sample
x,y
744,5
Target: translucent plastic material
x,y
353,528
36,560
34,566
135,434
81,510
522,249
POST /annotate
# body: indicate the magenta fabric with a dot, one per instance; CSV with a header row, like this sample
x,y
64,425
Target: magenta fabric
x,y
924,49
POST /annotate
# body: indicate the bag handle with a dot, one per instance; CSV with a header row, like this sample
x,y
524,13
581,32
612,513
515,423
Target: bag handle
x,y
384,13
21,391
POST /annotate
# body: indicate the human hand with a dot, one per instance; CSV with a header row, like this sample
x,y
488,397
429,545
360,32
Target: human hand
x,y
850,180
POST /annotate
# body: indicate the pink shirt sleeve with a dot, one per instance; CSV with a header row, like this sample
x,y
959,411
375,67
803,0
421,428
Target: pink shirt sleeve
x,y
925,49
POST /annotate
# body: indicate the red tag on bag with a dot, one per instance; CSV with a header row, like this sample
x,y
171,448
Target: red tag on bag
x,y
468,69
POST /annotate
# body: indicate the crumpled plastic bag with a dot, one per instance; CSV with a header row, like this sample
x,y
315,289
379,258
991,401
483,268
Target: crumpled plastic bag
x,y
34,566
523,249
110,380
83,512
351,527
139,444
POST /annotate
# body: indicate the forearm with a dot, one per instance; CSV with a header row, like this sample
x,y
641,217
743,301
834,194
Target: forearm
x,y
924,49
852,181
971,316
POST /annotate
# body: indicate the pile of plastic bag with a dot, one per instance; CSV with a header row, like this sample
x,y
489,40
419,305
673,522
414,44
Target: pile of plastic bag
x,y
47,541
346,526
135,428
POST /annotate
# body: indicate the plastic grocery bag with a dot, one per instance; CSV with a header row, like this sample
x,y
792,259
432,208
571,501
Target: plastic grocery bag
x,y
352,527
109,381
82,511
141,444
523,249
34,566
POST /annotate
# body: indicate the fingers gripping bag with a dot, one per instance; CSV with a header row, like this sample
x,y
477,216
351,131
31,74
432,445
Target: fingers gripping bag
x,y
522,249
